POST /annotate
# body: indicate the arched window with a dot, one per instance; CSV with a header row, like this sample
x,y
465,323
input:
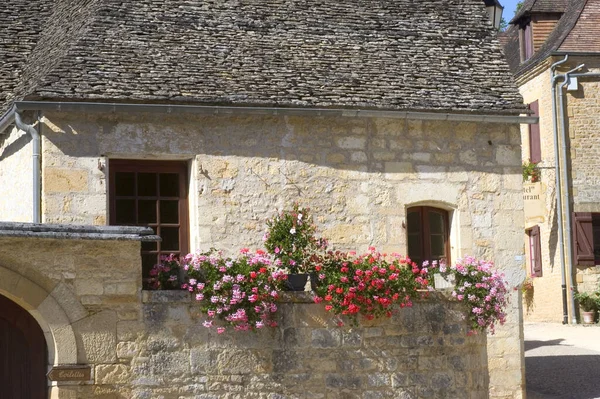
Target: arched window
x,y
428,234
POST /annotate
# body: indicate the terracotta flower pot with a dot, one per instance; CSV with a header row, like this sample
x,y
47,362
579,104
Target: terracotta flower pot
x,y
588,317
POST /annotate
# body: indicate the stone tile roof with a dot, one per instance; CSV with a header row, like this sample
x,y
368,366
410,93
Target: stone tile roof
x,y
540,6
439,55
510,41
20,28
553,44
585,35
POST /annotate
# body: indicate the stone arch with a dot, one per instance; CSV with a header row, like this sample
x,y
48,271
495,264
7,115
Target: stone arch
x,y
46,310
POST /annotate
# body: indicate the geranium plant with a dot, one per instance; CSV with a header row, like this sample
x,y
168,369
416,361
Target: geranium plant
x,y
290,238
483,289
531,172
165,275
368,285
237,292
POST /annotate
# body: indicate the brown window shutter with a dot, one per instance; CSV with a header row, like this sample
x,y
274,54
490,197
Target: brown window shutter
x,y
537,264
535,145
583,239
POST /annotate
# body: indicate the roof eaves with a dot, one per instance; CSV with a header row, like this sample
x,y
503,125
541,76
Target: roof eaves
x,y
7,119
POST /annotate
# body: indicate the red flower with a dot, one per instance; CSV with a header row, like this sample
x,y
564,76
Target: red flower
x,y
328,307
262,270
318,268
252,274
339,290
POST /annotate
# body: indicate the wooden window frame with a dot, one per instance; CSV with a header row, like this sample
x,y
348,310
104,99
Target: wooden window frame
x,y
535,140
526,40
535,251
425,232
147,166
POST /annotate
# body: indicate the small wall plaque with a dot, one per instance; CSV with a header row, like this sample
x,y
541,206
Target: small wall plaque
x,y
70,373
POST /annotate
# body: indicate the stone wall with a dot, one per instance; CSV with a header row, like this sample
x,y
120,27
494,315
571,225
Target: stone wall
x,y
358,175
546,302
581,107
16,187
583,110
86,296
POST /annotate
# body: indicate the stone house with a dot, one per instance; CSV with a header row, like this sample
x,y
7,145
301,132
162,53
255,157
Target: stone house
x,y
172,126
553,49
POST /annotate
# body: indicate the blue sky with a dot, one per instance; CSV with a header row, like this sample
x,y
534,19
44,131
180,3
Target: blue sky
x,y
509,8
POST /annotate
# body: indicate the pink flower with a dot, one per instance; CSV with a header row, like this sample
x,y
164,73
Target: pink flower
x,y
220,330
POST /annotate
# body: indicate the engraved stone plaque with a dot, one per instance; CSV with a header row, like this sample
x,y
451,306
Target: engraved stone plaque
x,y
70,373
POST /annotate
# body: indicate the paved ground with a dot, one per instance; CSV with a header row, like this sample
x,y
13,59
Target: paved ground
x,y
562,361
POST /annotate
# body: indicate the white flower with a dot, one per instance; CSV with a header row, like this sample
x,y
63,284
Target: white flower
x,y
293,230
299,216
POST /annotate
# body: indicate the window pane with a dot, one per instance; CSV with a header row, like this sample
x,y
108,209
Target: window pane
x,y
125,183
413,222
436,223
147,211
148,262
415,248
169,211
438,247
170,238
125,211
148,246
147,184
169,185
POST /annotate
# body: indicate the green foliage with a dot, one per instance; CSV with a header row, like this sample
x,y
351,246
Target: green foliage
x,y
519,5
239,292
165,275
290,238
370,285
503,25
588,302
482,288
531,172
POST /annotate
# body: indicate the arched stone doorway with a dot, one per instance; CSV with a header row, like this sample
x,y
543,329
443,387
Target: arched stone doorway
x,y
23,354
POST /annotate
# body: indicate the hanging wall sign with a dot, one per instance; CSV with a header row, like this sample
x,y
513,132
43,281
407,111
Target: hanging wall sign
x,y
534,202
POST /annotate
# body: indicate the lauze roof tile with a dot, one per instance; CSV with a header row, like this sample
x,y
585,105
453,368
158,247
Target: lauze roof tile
x,y
434,55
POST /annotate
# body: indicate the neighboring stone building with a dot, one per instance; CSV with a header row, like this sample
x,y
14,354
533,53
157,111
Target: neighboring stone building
x,y
542,33
200,121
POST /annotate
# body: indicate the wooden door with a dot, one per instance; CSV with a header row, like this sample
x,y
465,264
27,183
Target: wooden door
x,y
23,354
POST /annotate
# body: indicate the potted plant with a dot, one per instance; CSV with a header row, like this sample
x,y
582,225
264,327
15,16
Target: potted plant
x,y
370,285
482,289
290,239
237,292
588,303
531,172
165,275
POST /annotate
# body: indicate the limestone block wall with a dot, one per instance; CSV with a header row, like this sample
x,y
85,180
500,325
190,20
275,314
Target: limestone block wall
x,y
357,174
581,107
546,302
87,297
16,185
583,110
